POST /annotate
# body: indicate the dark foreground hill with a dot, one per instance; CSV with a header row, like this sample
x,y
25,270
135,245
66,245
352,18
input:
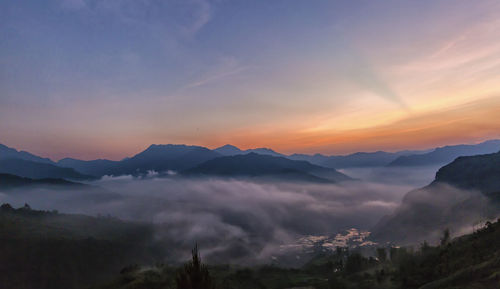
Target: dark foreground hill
x,y
50,250
255,165
464,192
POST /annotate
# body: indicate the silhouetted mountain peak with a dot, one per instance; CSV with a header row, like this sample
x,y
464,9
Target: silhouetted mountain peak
x,y
228,150
228,146
168,150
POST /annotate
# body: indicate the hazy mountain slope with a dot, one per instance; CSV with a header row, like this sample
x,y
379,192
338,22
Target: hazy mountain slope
x,y
11,153
355,160
264,151
36,170
317,159
360,159
444,155
230,150
257,165
8,181
464,192
96,168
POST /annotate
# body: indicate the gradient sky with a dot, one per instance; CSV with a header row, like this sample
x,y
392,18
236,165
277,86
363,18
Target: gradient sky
x,y
106,78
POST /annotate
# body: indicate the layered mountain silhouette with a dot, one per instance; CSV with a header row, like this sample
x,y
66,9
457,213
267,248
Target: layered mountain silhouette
x,y
161,158
39,170
95,168
446,154
463,192
181,158
230,150
355,160
157,158
259,165
8,181
11,153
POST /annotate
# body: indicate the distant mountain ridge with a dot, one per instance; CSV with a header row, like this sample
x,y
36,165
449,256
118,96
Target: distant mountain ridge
x,y
230,150
446,154
359,159
179,157
161,158
157,158
11,153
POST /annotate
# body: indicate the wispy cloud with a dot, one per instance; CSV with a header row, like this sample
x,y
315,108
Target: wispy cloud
x,y
187,17
236,221
226,67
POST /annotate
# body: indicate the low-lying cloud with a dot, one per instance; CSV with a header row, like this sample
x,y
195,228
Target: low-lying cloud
x,y
237,220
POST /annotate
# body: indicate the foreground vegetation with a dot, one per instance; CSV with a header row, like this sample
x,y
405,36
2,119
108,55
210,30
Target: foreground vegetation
x,y
51,250
471,261
41,249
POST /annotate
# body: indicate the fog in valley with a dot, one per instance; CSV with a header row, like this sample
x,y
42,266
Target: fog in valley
x,y
240,220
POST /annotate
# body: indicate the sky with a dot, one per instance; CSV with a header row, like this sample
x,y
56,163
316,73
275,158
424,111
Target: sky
x,y
107,78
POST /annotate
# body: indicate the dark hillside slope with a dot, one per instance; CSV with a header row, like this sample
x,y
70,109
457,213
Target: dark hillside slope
x,y
257,165
46,250
480,172
11,181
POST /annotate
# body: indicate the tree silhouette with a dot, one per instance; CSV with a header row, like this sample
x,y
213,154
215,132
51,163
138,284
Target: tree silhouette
x,y
446,237
381,254
194,275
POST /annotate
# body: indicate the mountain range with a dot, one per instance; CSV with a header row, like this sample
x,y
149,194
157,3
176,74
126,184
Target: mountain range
x,y
230,150
446,154
355,160
186,159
